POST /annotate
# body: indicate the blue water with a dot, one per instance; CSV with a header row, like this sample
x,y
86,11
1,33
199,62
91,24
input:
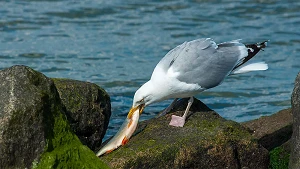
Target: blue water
x,y
117,44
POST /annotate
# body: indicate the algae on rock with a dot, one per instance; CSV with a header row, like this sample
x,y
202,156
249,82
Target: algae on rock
x,y
34,131
87,108
279,156
206,141
64,149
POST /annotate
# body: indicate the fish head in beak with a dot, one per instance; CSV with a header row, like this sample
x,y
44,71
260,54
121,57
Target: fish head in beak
x,y
139,108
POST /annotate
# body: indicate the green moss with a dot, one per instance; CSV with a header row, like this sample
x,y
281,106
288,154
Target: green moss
x,y
279,158
220,132
73,155
63,148
166,145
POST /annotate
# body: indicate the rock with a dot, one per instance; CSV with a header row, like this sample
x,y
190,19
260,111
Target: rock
x,y
87,108
295,153
34,131
206,141
272,131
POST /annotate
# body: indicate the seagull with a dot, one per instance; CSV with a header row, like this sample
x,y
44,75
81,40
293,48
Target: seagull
x,y
183,72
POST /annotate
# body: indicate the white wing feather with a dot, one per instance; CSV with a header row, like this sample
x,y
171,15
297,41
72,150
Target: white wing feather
x,y
250,67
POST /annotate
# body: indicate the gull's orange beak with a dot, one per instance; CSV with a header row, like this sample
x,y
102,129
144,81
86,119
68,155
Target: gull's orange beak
x,y
125,132
134,109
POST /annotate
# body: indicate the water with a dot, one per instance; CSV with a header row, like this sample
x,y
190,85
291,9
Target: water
x,y
117,44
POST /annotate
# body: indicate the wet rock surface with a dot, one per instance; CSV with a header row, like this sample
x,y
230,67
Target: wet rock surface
x,y
206,141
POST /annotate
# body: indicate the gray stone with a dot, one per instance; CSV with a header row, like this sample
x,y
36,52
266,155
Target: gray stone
x,y
272,131
206,141
25,97
34,131
87,108
295,147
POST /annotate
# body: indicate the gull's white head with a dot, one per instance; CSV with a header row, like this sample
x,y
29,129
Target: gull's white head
x,y
145,95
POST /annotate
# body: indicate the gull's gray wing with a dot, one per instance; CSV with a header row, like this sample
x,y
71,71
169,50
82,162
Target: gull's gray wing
x,y
203,62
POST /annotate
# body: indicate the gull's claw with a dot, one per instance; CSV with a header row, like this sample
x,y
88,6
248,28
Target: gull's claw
x,y
177,121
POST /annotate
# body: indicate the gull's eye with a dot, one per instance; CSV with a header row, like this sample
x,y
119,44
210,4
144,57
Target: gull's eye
x,y
141,101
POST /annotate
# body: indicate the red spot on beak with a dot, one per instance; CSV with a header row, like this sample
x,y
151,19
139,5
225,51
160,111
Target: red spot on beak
x,y
124,141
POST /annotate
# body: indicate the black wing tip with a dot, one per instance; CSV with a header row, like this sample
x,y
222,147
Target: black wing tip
x,y
258,46
253,49
262,44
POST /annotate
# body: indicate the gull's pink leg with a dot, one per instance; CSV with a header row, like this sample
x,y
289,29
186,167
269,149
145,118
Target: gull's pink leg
x,y
178,121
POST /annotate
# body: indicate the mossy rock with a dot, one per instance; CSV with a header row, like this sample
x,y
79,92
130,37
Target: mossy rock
x,y
279,156
88,110
64,150
34,131
206,141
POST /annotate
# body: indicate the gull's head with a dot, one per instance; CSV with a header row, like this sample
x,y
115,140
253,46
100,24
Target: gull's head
x,y
143,97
